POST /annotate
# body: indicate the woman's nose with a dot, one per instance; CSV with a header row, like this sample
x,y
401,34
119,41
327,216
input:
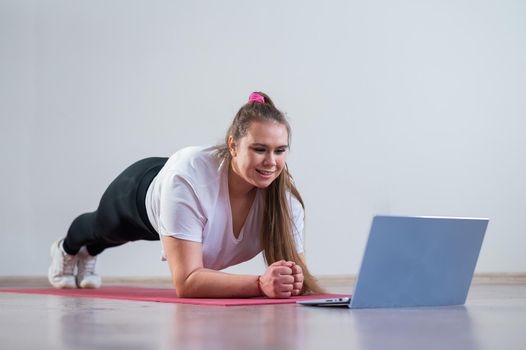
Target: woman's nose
x,y
270,159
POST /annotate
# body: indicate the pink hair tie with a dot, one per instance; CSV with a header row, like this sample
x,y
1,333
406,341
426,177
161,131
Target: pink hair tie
x,y
255,97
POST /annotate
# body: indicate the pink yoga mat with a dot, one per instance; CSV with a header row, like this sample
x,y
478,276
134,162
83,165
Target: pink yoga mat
x,y
163,295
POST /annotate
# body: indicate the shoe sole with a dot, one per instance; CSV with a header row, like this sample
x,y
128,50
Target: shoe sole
x,y
85,284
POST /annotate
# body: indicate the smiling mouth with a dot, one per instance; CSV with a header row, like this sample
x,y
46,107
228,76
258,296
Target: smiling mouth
x,y
265,173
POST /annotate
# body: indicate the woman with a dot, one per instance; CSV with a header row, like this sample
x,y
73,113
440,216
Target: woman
x,y
212,207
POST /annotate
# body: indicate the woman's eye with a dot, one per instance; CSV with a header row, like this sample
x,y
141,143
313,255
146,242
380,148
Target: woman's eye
x,y
263,150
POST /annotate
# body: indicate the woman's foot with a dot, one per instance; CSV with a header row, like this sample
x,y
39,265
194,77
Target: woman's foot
x,y
61,272
86,277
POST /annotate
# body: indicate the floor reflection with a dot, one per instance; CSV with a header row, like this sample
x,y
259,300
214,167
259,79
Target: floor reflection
x,y
422,328
235,327
80,323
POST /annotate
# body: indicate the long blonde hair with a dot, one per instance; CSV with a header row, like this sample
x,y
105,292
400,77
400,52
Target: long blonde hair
x,y
277,229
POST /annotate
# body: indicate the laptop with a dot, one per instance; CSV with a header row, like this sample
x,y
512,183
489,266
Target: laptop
x,y
415,261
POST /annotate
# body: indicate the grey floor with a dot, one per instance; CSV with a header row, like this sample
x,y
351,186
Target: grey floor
x,y
493,318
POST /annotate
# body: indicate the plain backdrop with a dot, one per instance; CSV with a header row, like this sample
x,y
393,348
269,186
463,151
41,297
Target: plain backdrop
x,y
397,107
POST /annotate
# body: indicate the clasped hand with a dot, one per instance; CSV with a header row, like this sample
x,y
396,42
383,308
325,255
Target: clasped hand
x,y
282,279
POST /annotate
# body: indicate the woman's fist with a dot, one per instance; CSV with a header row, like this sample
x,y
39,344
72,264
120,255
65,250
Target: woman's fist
x,y
281,280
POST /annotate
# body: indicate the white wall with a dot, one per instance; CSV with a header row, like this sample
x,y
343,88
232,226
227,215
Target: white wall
x,y
398,107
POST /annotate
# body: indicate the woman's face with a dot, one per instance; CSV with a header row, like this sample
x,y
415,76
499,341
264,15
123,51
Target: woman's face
x,y
259,157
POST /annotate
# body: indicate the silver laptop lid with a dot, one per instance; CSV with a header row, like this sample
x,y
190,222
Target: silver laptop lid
x,y
418,261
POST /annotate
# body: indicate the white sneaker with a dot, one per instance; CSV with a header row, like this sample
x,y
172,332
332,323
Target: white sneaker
x,y
61,273
86,277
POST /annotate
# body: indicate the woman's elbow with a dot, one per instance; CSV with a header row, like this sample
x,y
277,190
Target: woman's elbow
x,y
185,285
180,290
183,289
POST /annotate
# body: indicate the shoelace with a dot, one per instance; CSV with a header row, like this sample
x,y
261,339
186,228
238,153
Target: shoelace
x,y
68,264
87,265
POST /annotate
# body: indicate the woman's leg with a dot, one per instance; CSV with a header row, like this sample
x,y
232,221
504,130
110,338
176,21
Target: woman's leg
x,y
120,218
82,233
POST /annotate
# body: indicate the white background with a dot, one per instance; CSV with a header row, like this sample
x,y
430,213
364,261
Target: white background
x,y
397,107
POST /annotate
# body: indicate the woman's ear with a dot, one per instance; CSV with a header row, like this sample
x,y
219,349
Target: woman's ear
x,y
232,146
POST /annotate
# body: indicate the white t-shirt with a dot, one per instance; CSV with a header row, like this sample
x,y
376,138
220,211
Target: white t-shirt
x,y
189,200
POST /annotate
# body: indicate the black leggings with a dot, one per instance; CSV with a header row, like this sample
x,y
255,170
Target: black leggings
x,y
121,216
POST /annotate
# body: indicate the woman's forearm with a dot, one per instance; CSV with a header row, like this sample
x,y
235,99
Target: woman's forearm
x,y
206,283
